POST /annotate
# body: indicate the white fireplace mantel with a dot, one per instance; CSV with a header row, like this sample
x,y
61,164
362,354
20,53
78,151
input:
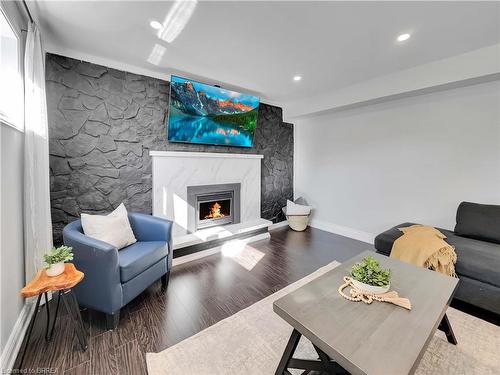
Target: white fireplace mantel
x,y
182,154
174,171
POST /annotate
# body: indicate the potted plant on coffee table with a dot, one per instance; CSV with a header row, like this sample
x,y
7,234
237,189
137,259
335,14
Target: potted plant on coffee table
x,y
368,276
56,258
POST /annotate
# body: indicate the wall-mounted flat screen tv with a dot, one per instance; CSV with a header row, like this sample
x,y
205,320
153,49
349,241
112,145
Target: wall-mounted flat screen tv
x,y
205,114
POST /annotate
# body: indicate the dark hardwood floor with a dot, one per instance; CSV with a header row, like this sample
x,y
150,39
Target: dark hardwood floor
x,y
199,294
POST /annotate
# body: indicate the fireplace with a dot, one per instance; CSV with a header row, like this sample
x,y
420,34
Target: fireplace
x,y
214,210
213,205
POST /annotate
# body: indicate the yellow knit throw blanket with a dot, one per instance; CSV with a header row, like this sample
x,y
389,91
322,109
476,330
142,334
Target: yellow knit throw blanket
x,y
424,246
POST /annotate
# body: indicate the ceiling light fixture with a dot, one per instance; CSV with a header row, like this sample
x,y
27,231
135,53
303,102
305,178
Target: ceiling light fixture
x,y
297,78
403,37
156,25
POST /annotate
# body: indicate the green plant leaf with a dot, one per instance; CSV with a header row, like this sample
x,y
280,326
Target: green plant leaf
x,y
368,271
59,254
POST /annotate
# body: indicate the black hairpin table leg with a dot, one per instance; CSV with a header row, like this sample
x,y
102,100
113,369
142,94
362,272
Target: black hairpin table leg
x,y
30,329
74,312
83,336
48,317
51,333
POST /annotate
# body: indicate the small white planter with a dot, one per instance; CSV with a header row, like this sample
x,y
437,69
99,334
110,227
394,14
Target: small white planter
x,y
55,269
371,288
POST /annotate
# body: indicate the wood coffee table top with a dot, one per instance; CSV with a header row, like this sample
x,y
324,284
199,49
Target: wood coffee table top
x,y
42,283
380,338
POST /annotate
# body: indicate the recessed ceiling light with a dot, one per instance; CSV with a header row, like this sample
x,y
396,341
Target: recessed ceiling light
x,y
297,78
155,25
403,37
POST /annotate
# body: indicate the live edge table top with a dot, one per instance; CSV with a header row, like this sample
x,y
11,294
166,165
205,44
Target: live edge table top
x,y
380,338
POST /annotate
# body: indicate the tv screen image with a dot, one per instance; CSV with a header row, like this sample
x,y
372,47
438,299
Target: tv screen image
x,y
205,114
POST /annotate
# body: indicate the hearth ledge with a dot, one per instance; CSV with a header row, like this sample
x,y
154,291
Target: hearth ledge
x,y
183,154
218,233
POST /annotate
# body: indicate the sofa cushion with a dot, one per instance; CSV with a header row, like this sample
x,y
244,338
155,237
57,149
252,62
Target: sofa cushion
x,y
138,257
479,260
479,221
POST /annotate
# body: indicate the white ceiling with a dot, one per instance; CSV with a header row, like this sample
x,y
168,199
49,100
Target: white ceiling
x,y
259,46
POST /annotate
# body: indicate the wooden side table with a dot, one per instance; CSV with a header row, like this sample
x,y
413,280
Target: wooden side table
x,y
63,284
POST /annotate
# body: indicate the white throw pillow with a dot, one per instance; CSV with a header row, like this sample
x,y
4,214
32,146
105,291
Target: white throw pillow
x,y
297,209
121,212
113,228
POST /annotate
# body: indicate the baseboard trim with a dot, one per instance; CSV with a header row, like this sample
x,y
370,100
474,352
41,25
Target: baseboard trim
x,y
343,231
217,249
16,337
281,224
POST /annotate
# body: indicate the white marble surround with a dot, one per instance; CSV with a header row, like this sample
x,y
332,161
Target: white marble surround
x,y
173,171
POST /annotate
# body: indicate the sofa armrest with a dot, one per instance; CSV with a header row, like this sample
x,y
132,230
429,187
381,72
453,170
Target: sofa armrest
x,y
150,228
101,287
384,241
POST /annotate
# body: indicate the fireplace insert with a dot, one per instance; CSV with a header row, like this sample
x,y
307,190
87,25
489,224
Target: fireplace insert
x,y
215,209
213,205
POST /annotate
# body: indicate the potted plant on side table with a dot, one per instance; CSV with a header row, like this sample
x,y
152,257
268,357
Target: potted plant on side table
x,y
56,258
368,276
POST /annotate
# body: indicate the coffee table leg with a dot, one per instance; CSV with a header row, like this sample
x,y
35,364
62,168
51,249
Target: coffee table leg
x,y
324,365
288,353
445,326
328,365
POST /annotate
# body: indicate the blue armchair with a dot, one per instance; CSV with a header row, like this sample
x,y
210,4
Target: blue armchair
x,y
113,278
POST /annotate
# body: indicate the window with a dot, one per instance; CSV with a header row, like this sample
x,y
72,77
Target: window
x,y
11,83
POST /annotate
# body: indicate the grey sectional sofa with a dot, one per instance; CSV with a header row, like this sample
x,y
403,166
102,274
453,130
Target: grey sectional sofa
x,y
477,243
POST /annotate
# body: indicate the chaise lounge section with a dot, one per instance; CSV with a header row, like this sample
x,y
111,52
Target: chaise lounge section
x,y
477,243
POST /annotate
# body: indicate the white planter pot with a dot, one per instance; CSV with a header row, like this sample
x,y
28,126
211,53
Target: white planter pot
x,y
55,269
371,288
298,222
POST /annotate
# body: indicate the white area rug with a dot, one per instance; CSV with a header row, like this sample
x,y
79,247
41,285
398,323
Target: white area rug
x,y
252,342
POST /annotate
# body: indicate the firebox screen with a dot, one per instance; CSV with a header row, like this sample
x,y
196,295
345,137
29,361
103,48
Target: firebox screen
x,y
215,209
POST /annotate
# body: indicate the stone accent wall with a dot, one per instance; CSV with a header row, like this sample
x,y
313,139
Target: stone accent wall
x,y
103,123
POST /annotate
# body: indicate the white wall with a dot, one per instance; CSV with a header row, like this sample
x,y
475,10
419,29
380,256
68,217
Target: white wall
x,y
11,229
415,159
11,223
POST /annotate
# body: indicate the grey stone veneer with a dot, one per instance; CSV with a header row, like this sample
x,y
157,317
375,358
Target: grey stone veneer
x,y
102,125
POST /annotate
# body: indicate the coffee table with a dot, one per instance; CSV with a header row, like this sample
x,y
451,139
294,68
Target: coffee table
x,y
354,337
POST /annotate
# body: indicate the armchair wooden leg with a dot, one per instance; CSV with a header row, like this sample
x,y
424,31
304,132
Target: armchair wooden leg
x,y
164,280
112,320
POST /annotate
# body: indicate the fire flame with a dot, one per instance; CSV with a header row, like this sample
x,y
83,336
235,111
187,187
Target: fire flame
x,y
215,211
